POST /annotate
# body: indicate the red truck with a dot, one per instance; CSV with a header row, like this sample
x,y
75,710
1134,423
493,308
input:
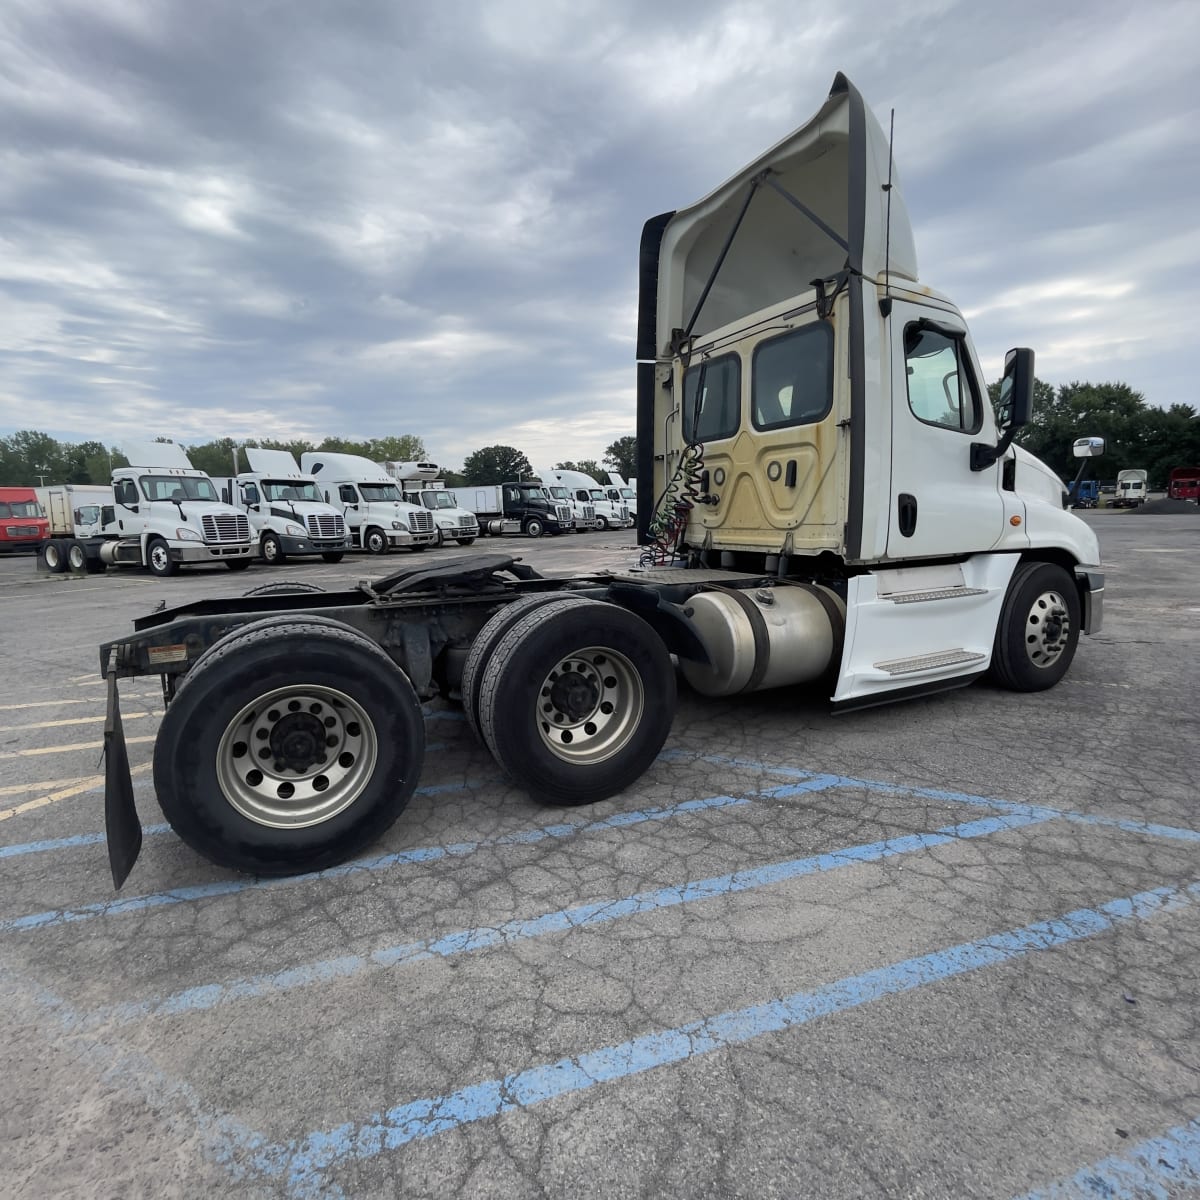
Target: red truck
x,y
1184,483
23,525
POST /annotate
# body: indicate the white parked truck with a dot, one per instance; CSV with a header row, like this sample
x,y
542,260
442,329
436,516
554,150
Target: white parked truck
x,y
420,484
75,511
583,512
621,491
1131,488
377,515
825,496
289,517
584,489
160,514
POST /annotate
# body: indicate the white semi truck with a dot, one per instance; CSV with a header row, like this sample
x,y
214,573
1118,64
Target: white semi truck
x,y
420,484
621,491
1131,488
583,512
825,495
161,514
288,515
584,489
377,515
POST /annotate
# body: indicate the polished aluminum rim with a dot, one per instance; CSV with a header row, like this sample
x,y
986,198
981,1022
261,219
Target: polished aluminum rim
x,y
296,756
1047,629
589,705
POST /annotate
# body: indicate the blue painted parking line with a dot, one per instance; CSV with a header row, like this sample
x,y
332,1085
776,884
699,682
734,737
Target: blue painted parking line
x,y
212,995
1144,828
380,862
315,1154
1157,1168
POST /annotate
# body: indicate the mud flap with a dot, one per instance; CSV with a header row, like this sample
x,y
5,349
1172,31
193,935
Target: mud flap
x,y
121,822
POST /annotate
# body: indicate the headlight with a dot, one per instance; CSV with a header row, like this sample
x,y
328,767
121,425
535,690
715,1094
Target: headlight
x,y
399,525
188,535
295,530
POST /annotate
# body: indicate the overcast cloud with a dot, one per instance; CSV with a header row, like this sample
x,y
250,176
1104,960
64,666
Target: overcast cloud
x,y
281,219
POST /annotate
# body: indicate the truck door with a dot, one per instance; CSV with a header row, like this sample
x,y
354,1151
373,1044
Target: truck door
x,y
127,505
938,505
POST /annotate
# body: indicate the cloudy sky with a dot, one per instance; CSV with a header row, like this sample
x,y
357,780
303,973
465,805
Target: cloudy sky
x,y
287,218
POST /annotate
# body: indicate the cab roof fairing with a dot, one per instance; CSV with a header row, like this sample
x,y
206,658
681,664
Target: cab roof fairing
x,y
837,166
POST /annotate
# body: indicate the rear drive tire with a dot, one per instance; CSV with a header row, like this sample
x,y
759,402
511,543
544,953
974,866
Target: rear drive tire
x,y
158,558
577,700
485,642
54,557
76,557
1038,629
288,687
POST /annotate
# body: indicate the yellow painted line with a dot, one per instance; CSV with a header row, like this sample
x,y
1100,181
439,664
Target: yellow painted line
x,y
84,785
65,749
40,785
133,716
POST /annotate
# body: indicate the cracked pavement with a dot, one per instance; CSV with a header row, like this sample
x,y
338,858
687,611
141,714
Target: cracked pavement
x,y
945,948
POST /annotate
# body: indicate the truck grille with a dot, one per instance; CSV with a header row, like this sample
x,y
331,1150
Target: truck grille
x,y
22,530
589,512
624,512
226,528
467,522
421,522
326,525
564,512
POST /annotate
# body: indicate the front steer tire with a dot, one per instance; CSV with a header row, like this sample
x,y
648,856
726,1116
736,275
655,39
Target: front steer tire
x,y
306,673
577,700
1038,629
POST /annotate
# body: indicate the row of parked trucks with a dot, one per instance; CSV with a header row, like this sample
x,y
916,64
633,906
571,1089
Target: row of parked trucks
x,y
161,513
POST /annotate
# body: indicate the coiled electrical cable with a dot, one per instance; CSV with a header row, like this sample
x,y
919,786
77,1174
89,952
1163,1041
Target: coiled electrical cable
x,y
671,512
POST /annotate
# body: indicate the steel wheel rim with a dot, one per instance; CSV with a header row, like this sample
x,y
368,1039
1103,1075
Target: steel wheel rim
x,y
1047,629
290,788
589,705
53,557
375,542
76,558
159,556
270,549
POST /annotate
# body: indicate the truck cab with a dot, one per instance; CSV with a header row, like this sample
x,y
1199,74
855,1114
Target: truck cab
x,y
420,484
1131,488
584,490
23,524
583,512
289,516
377,515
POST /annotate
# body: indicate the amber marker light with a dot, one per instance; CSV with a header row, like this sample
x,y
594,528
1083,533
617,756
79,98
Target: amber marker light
x,y
1014,520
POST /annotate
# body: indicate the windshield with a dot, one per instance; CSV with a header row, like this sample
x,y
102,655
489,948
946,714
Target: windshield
x,y
597,494
290,489
373,492
559,493
177,487
627,493
439,499
89,514
20,508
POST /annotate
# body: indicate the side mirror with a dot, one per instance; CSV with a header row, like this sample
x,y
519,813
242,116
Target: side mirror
x,y
1016,390
1088,447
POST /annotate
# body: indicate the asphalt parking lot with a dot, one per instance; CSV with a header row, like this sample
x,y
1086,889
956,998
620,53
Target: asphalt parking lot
x,y
947,948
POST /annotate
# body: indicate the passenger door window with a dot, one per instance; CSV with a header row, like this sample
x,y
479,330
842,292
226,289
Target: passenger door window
x,y
941,387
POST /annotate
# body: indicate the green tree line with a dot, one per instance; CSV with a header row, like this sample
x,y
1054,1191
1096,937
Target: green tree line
x,y
1136,435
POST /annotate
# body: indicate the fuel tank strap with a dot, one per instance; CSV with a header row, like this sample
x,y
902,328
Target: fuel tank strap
x,y
758,627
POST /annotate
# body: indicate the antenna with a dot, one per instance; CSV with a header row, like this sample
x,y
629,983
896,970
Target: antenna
x,y
885,305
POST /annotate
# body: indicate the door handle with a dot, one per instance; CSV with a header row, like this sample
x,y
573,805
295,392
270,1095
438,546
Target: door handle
x,y
906,514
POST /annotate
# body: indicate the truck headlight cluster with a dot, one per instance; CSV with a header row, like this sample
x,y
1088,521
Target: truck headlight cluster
x,y
188,535
295,530
399,525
